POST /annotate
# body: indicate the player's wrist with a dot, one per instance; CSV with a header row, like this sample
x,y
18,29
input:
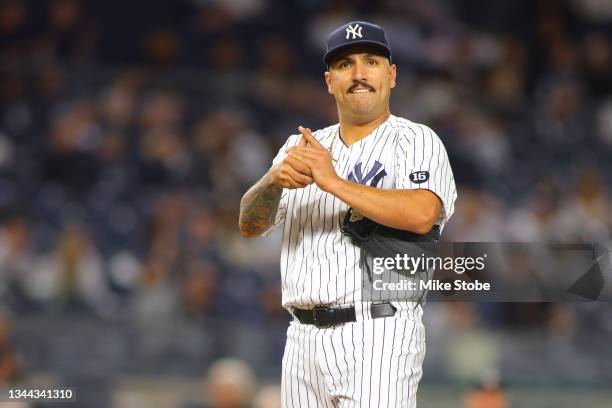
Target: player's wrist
x,y
332,184
272,178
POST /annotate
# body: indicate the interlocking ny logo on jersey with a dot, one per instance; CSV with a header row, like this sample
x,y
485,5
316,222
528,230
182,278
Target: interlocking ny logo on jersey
x,y
374,175
355,31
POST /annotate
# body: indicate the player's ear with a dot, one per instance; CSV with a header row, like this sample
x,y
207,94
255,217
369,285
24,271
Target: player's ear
x,y
328,81
392,75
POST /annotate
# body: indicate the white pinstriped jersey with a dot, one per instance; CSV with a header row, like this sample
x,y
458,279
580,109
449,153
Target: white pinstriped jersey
x,y
320,266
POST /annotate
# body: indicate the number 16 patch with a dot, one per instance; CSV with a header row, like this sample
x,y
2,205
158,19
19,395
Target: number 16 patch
x,y
419,177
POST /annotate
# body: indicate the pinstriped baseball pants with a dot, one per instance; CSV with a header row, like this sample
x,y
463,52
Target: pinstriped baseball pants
x,y
368,363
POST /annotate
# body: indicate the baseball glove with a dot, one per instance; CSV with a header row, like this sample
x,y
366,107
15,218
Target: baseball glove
x,y
379,241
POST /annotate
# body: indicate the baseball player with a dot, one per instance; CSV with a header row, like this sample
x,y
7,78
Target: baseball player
x,y
343,350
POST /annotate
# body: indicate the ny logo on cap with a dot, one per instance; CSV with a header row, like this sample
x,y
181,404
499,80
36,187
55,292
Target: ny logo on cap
x,y
355,31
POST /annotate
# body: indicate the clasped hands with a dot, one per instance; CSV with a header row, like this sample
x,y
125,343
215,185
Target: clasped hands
x,y
306,163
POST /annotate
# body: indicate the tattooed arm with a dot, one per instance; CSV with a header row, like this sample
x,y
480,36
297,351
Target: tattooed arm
x,y
258,207
259,204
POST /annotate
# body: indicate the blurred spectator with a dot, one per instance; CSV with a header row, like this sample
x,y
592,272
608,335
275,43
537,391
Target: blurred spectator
x,y
70,159
226,55
199,290
231,384
72,276
479,219
268,396
489,393
485,141
598,11
161,110
118,107
13,19
471,350
485,397
587,214
598,57
201,239
16,256
232,151
164,158
604,122
271,299
68,34
9,363
562,122
538,219
154,306
162,47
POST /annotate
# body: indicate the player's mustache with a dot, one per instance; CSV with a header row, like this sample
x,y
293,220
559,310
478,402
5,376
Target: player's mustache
x,y
360,84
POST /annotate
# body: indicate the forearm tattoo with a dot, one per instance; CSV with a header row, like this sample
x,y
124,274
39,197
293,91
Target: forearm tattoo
x,y
258,208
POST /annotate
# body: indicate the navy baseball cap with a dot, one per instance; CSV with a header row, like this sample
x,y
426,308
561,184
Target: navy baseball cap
x,y
353,34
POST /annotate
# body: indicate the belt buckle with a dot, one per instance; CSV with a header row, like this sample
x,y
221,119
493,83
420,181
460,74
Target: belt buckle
x,y
318,324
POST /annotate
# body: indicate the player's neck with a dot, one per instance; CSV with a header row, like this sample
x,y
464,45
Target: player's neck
x,y
353,131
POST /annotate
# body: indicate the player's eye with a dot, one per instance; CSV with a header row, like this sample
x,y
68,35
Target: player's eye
x,y
372,62
345,64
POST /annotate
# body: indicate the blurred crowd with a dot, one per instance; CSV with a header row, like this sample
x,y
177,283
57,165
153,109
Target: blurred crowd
x,y
129,131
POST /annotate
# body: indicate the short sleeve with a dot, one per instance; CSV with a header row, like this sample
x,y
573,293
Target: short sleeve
x,y
422,163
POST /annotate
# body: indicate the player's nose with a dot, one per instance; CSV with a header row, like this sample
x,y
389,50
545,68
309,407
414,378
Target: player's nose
x,y
359,72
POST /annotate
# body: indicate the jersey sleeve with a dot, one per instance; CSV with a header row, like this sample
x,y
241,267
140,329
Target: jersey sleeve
x,y
422,163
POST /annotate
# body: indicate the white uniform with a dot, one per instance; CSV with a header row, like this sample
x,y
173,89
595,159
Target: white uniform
x,y
372,362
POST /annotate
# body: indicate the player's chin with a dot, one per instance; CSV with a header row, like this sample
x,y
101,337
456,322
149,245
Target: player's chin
x,y
362,107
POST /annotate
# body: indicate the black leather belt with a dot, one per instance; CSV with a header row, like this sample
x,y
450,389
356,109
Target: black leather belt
x,y
323,317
